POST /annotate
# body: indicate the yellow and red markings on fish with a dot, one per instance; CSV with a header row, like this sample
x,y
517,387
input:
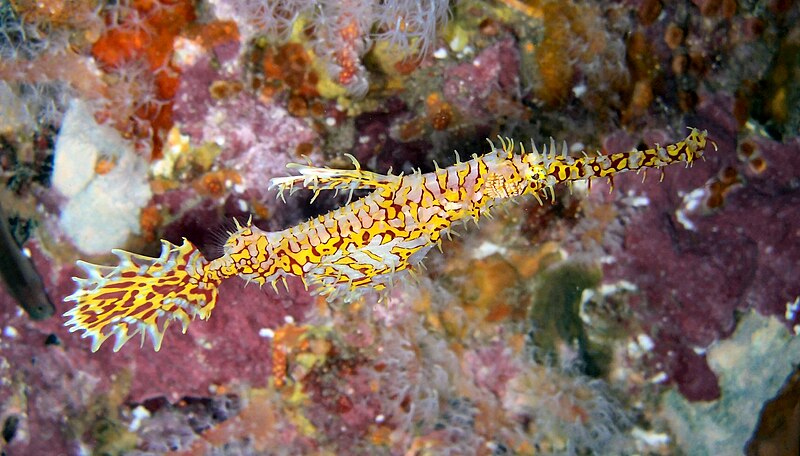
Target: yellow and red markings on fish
x,y
361,245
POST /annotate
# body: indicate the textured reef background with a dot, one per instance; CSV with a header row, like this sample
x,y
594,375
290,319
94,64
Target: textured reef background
x,y
660,318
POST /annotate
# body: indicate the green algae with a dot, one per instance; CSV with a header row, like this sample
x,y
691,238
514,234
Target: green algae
x,y
555,314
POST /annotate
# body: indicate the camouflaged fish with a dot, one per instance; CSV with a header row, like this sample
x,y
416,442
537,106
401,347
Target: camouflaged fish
x,y
359,246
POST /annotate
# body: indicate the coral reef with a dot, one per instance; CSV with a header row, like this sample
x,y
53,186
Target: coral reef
x,y
657,318
341,33
728,252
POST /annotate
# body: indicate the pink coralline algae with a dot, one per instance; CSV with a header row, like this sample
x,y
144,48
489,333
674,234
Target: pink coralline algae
x,y
256,141
711,263
184,369
246,129
62,378
251,131
474,86
492,367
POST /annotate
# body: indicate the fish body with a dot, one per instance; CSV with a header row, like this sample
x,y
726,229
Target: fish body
x,y
359,246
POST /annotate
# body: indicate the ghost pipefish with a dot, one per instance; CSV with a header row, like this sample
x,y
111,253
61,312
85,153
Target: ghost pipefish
x,y
361,245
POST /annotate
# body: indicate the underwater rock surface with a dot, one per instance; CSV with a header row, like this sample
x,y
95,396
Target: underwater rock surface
x,y
659,317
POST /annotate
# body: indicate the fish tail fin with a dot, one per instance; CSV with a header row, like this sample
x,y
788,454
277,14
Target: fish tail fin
x,y
142,295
